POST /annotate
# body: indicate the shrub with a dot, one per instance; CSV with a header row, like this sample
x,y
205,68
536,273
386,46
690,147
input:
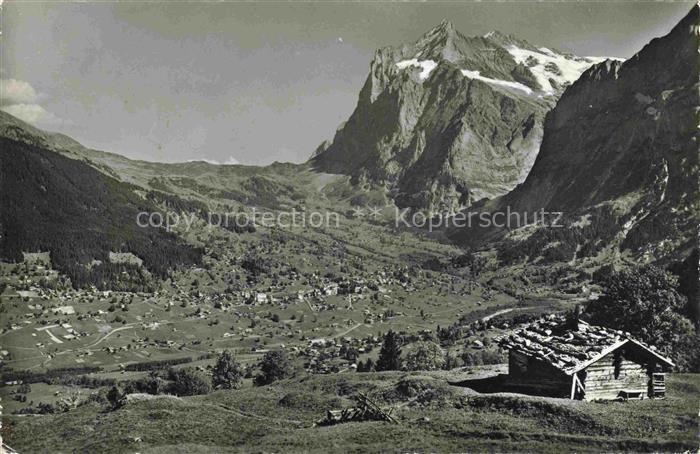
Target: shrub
x,y
275,365
151,384
425,356
189,382
365,367
228,373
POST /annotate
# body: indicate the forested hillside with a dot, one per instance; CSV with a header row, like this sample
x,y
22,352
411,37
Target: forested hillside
x,y
78,214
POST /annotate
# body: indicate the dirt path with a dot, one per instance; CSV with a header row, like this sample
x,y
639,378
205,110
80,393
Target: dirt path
x,y
121,328
497,313
53,337
348,330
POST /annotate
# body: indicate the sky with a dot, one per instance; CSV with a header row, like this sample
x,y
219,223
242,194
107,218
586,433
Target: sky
x,y
252,82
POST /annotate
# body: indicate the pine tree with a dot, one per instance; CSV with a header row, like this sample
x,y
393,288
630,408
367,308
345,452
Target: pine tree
x,y
390,354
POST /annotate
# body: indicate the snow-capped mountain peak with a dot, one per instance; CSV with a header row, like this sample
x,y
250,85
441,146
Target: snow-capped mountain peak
x,y
498,59
450,119
552,70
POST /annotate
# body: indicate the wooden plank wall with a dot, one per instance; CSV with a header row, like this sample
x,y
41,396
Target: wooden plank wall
x,y
601,381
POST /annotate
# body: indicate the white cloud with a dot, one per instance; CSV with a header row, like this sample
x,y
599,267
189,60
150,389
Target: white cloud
x,y
229,162
19,98
13,91
31,113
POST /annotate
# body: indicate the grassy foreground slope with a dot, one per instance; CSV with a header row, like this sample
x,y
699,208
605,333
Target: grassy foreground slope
x,y
433,415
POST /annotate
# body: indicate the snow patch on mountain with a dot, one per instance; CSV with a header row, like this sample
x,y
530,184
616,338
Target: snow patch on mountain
x,y
500,83
231,161
548,51
548,66
427,66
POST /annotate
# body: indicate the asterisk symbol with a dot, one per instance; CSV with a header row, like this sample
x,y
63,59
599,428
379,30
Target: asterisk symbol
x,y
375,212
358,212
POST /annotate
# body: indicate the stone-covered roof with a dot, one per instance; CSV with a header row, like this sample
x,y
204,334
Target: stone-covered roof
x,y
566,348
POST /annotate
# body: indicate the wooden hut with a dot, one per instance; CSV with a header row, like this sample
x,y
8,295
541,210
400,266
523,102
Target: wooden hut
x,y
560,358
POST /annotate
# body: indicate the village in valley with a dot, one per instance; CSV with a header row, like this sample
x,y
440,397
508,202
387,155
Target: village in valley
x,y
329,319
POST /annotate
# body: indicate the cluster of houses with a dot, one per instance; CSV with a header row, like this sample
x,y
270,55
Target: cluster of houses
x,y
142,345
324,356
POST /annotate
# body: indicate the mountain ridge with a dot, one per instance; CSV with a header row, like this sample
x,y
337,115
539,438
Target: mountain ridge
x,y
620,152
449,119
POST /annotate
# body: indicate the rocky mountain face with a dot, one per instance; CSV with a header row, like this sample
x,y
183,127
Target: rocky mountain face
x,y
450,119
619,157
